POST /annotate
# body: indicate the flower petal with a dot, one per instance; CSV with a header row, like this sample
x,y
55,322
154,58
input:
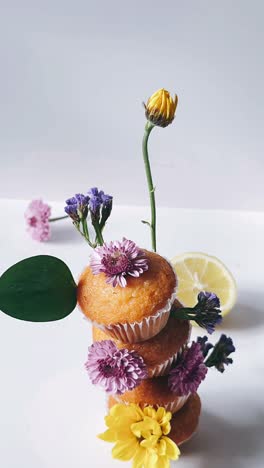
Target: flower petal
x,y
162,447
125,450
172,450
151,459
138,461
108,436
163,462
150,442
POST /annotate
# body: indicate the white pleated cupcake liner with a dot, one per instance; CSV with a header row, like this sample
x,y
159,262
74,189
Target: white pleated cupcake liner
x,y
175,405
172,406
162,369
140,331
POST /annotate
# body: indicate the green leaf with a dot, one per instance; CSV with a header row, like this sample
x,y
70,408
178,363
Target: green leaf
x,y
146,222
38,289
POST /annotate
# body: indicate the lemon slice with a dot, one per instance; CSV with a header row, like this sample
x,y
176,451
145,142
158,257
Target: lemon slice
x,y
197,272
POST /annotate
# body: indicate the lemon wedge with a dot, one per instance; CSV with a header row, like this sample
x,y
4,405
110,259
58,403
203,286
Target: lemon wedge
x,y
197,272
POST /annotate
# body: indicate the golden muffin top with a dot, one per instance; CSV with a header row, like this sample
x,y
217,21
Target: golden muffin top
x,y
142,296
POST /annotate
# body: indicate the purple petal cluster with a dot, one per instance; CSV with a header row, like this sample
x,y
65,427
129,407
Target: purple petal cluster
x,y
208,314
188,372
117,260
77,206
219,355
205,346
96,201
115,370
208,300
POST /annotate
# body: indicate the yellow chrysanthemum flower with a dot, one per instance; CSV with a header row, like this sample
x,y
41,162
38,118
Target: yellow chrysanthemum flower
x,y
140,435
161,107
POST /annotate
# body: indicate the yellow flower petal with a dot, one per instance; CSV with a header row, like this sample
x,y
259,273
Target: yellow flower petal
x,y
163,462
130,412
149,411
166,428
150,442
163,416
151,459
146,427
139,458
172,450
161,447
108,436
125,450
161,107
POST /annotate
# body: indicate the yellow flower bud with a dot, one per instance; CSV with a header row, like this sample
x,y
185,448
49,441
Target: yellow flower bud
x,y
161,107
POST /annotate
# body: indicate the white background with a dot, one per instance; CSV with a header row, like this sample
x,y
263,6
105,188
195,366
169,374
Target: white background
x,y
51,413
72,80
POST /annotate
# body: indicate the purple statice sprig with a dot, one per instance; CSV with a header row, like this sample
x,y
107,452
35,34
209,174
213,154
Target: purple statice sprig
x,y
118,260
96,207
205,346
115,370
218,356
206,313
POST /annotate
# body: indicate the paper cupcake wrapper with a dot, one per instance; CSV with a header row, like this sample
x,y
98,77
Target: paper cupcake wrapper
x,y
143,330
175,405
165,367
162,369
172,406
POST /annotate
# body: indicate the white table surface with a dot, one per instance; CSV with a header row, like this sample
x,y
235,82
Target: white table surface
x,y
50,413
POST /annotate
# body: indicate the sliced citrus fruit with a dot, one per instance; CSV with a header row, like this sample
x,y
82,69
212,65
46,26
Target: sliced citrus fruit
x,y
197,272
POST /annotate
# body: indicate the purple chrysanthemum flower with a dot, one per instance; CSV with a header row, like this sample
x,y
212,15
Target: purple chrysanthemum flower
x,y
117,260
188,372
116,370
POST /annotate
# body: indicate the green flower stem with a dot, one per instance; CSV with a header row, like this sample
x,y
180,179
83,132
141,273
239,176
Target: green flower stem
x,y
149,126
184,313
99,235
51,220
80,231
86,231
86,237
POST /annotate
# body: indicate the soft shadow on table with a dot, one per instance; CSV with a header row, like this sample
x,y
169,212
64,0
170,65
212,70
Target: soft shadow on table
x,y
63,232
246,314
220,443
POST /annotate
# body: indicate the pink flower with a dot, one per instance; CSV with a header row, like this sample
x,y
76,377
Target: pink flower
x,y
37,219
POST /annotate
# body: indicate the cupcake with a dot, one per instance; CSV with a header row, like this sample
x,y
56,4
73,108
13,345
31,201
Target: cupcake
x,y
183,423
160,352
153,392
133,313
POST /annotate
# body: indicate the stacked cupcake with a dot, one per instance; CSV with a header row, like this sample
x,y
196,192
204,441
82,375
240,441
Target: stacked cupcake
x,y
128,295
